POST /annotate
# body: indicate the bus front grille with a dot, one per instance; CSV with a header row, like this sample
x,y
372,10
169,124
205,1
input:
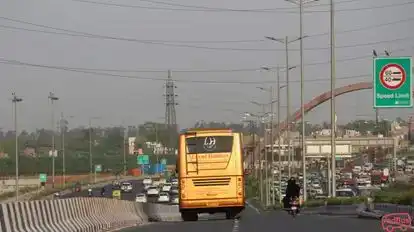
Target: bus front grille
x,y
212,182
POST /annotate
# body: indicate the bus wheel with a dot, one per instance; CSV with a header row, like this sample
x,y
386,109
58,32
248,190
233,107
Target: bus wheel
x,y
189,216
231,214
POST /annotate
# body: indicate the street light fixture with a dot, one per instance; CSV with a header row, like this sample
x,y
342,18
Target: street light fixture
x,y
52,99
16,100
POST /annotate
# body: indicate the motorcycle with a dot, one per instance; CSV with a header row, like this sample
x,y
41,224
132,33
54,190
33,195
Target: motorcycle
x,y
89,192
294,207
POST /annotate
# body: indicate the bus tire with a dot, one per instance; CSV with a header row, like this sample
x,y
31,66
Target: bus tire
x,y
231,214
189,216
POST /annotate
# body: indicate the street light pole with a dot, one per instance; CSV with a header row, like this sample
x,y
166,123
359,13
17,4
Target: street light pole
x,y
53,98
124,146
278,135
90,151
62,131
301,4
333,118
286,42
16,100
271,188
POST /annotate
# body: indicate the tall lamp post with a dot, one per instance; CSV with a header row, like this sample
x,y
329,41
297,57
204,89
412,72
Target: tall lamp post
x,y
15,100
279,87
301,4
52,99
264,114
286,41
63,128
91,171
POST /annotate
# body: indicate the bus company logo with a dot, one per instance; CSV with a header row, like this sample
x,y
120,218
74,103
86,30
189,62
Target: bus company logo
x,y
396,222
209,143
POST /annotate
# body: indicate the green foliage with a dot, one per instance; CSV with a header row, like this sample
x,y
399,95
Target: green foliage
x,y
252,187
345,200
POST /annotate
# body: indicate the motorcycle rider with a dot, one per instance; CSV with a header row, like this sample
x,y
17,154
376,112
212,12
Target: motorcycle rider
x,y
89,190
102,191
292,192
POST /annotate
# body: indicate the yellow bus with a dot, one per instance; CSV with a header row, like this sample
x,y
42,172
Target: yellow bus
x,y
210,173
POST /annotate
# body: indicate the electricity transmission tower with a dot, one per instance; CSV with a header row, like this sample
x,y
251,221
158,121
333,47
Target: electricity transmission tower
x,y
170,115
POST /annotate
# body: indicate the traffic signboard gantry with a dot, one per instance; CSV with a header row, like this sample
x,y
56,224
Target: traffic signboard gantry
x,y
392,82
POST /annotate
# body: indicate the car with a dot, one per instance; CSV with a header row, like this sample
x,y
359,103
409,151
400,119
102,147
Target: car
x,y
345,193
141,197
166,187
126,187
147,181
174,190
163,197
175,200
174,181
153,191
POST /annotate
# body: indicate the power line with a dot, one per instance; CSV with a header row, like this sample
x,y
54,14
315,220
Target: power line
x,y
15,62
74,33
353,58
79,34
230,9
271,11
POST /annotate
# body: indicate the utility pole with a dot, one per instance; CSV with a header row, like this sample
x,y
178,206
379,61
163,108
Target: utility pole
x,y
16,100
91,171
53,98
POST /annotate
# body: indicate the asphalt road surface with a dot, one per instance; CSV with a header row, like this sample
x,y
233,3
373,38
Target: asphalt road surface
x,y
137,188
251,220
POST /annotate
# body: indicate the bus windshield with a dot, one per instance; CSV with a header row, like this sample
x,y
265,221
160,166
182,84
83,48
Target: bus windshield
x,y
209,144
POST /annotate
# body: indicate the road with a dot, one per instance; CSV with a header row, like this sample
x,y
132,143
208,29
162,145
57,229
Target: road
x,y
271,221
137,188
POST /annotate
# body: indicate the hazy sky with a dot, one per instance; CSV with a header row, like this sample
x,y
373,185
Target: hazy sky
x,y
140,35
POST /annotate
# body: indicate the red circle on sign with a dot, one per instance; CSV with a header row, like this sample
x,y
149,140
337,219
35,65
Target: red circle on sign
x,y
392,66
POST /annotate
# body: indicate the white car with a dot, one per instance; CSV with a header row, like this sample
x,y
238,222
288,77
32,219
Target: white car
x,y
147,181
316,184
141,197
175,200
166,187
163,197
174,181
126,187
153,191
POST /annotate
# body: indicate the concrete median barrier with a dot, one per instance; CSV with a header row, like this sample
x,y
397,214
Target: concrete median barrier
x,y
162,213
73,214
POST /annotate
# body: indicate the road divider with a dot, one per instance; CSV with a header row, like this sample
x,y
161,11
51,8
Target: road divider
x,y
72,214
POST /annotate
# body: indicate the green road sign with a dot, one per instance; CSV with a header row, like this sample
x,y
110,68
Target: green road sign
x,y
392,82
98,168
142,159
164,161
43,178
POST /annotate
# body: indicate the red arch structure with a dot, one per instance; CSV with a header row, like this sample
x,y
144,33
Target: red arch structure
x,y
325,97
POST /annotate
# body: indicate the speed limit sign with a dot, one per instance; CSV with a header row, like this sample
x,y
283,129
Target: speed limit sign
x,y
392,76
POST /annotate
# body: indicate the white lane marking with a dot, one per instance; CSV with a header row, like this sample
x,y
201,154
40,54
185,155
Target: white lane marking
x,y
254,208
236,226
